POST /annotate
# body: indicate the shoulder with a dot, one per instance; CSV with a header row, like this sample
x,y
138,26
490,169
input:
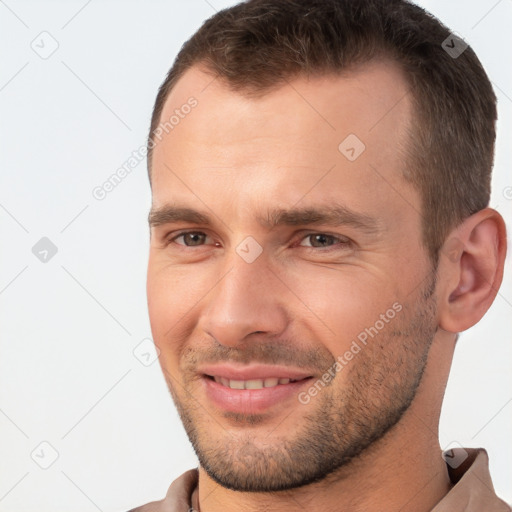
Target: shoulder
x,y
178,495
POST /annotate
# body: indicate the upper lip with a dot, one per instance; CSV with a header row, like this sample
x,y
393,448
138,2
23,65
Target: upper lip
x,y
253,372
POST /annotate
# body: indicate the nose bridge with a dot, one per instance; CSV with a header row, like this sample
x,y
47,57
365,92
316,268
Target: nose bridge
x,y
243,301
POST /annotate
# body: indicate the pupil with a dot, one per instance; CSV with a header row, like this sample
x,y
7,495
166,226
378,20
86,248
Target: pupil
x,y
193,237
322,239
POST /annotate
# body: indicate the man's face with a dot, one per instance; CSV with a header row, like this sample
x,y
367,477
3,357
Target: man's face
x,y
266,287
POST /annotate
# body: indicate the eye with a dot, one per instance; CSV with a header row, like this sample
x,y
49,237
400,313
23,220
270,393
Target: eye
x,y
189,238
316,240
324,240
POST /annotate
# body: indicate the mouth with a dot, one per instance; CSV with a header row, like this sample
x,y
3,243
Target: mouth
x,y
269,382
253,389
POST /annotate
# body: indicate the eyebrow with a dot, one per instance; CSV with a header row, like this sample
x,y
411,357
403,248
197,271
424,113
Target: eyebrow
x,y
331,215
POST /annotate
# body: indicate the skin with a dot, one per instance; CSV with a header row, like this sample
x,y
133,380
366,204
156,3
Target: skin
x,y
234,157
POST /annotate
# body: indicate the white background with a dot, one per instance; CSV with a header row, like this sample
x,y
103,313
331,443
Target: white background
x,y
68,327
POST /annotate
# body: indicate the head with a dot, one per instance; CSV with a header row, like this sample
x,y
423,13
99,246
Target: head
x,y
330,154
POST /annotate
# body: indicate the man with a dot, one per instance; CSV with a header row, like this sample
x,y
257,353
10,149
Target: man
x,y
320,234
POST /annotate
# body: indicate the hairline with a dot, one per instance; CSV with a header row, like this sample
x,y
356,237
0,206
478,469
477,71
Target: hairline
x,y
382,55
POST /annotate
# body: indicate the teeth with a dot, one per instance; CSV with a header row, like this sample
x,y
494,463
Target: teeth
x,y
236,384
270,383
252,384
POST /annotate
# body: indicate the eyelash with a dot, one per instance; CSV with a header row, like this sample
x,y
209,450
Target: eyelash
x,y
344,242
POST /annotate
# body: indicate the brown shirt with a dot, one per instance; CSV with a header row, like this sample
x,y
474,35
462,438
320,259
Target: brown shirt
x,y
472,489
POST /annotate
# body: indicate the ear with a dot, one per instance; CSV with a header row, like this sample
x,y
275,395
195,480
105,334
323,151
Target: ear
x,y
471,270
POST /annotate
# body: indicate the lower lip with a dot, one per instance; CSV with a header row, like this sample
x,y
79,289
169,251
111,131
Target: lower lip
x,y
251,401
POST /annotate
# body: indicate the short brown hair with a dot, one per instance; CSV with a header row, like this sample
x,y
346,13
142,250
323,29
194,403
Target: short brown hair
x,y
258,45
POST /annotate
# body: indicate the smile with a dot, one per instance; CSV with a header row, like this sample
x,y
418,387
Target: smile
x,y
252,383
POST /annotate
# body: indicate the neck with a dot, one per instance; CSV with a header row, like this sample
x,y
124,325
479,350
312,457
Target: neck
x,y
403,471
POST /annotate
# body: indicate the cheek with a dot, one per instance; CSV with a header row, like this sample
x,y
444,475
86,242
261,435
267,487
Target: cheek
x,y
345,301
173,296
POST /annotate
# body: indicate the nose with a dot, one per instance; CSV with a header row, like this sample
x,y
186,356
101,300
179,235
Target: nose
x,y
248,299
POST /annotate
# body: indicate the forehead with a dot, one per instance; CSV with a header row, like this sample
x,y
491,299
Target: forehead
x,y
322,137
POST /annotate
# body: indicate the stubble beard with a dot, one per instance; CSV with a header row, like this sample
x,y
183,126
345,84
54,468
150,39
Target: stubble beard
x,y
380,385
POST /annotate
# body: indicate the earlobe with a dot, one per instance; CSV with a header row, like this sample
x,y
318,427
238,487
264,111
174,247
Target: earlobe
x,y
471,266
